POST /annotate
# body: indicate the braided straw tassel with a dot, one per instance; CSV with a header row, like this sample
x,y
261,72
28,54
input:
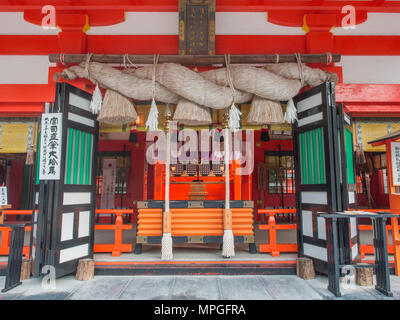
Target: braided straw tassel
x,y
166,241
228,244
291,112
234,113
97,100
152,119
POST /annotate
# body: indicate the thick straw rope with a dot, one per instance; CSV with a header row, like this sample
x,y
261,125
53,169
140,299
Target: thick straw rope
x,y
170,82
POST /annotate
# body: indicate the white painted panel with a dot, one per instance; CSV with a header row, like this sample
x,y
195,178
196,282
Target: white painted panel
x,y
167,23
37,198
67,226
314,197
74,253
310,102
353,227
143,23
79,102
315,252
253,23
24,69
376,24
76,198
84,224
321,228
354,251
311,119
307,223
371,69
14,23
351,197
79,119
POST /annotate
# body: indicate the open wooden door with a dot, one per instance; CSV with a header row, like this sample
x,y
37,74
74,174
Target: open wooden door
x,y
325,177
347,184
65,229
317,170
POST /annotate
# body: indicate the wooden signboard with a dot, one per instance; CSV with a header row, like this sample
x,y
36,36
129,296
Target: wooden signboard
x,y
395,146
196,27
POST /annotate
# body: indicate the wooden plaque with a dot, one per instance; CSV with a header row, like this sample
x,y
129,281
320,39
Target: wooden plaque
x,y
196,27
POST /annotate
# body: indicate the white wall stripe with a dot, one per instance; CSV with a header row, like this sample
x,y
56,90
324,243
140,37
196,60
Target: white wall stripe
x,y
226,23
254,23
377,24
24,69
14,23
371,69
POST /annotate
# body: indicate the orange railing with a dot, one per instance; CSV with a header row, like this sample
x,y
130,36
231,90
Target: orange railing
x,y
116,248
6,233
369,248
275,249
272,246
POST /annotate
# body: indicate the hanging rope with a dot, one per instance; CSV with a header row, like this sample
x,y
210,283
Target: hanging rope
x,y
291,111
97,98
152,120
126,58
234,113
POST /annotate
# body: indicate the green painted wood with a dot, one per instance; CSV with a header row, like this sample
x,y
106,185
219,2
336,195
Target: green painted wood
x,y
309,157
321,156
349,156
77,135
82,157
316,164
303,159
90,159
68,165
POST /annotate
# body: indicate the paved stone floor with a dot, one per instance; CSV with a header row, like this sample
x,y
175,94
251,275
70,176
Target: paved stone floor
x,y
192,287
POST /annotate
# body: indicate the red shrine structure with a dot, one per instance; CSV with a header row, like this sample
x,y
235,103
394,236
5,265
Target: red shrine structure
x,y
365,34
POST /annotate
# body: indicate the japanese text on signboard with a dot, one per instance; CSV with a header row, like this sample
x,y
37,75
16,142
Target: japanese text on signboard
x,y
395,146
50,146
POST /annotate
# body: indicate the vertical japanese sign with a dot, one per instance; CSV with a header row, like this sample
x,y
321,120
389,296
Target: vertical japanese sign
x,y
197,27
108,184
3,196
395,149
50,146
